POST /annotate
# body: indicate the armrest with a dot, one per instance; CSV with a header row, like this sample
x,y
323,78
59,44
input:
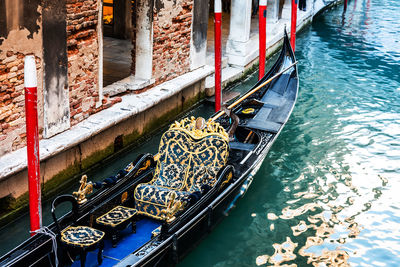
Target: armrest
x,y
224,176
142,163
139,165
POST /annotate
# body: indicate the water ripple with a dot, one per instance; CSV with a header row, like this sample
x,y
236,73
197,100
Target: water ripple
x,y
327,194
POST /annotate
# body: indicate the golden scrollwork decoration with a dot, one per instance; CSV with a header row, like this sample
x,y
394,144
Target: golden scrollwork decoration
x,y
227,179
173,207
85,189
145,167
199,128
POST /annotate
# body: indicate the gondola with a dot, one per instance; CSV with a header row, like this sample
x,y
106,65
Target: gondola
x,y
154,211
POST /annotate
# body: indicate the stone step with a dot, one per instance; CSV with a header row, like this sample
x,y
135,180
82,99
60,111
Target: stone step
x,y
210,60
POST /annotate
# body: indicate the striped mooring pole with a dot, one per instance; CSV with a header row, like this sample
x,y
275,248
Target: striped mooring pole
x,y
262,31
293,25
32,140
218,52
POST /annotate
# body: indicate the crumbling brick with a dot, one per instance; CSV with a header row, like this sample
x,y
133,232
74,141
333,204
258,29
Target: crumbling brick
x,y
171,43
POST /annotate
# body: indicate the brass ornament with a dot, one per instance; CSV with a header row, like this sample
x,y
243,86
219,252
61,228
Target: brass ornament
x,y
189,125
227,179
248,111
173,207
145,167
129,167
124,197
85,189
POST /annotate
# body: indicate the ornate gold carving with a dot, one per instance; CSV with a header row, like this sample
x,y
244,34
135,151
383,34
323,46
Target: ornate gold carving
x,y
228,178
145,167
124,197
84,189
173,207
198,128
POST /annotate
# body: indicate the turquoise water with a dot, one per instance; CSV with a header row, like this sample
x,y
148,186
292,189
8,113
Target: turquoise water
x,y
328,191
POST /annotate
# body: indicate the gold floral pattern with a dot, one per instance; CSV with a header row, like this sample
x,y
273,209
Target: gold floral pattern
x,y
81,236
188,158
116,216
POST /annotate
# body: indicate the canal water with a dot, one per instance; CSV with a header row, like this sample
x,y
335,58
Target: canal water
x,y
329,190
326,193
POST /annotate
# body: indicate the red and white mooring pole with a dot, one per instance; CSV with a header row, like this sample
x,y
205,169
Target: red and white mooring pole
x,y
32,140
345,5
262,31
218,52
293,25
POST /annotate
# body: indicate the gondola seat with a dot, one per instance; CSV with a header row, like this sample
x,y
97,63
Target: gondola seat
x,y
81,236
190,157
77,238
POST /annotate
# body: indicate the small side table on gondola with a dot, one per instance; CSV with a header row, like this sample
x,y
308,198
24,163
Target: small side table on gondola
x,y
117,220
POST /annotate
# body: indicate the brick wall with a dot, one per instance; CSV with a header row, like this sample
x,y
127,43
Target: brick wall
x,y
82,48
171,41
83,60
12,101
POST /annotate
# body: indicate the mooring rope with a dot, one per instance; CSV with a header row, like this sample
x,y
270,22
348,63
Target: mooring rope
x,y
46,231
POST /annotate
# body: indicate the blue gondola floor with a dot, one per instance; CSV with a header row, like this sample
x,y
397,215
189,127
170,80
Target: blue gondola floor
x,y
127,244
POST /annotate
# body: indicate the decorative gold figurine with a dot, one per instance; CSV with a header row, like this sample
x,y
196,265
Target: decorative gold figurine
x,y
85,189
172,208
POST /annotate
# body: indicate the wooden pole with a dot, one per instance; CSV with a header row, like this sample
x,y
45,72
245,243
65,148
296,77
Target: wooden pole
x,y
234,104
262,21
345,5
293,25
32,140
218,52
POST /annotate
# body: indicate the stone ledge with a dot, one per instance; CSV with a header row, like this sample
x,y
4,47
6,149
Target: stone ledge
x,y
228,74
130,83
130,105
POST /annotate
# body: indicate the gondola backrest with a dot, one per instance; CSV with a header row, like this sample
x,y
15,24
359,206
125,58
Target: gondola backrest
x,y
62,199
173,163
209,156
189,157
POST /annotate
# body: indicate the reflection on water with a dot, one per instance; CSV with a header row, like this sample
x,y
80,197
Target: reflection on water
x,y
327,193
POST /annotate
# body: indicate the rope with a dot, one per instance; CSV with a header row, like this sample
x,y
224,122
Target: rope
x,y
46,231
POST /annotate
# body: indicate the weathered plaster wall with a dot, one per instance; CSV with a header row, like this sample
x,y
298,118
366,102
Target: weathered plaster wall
x,y
56,101
171,42
20,35
198,42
